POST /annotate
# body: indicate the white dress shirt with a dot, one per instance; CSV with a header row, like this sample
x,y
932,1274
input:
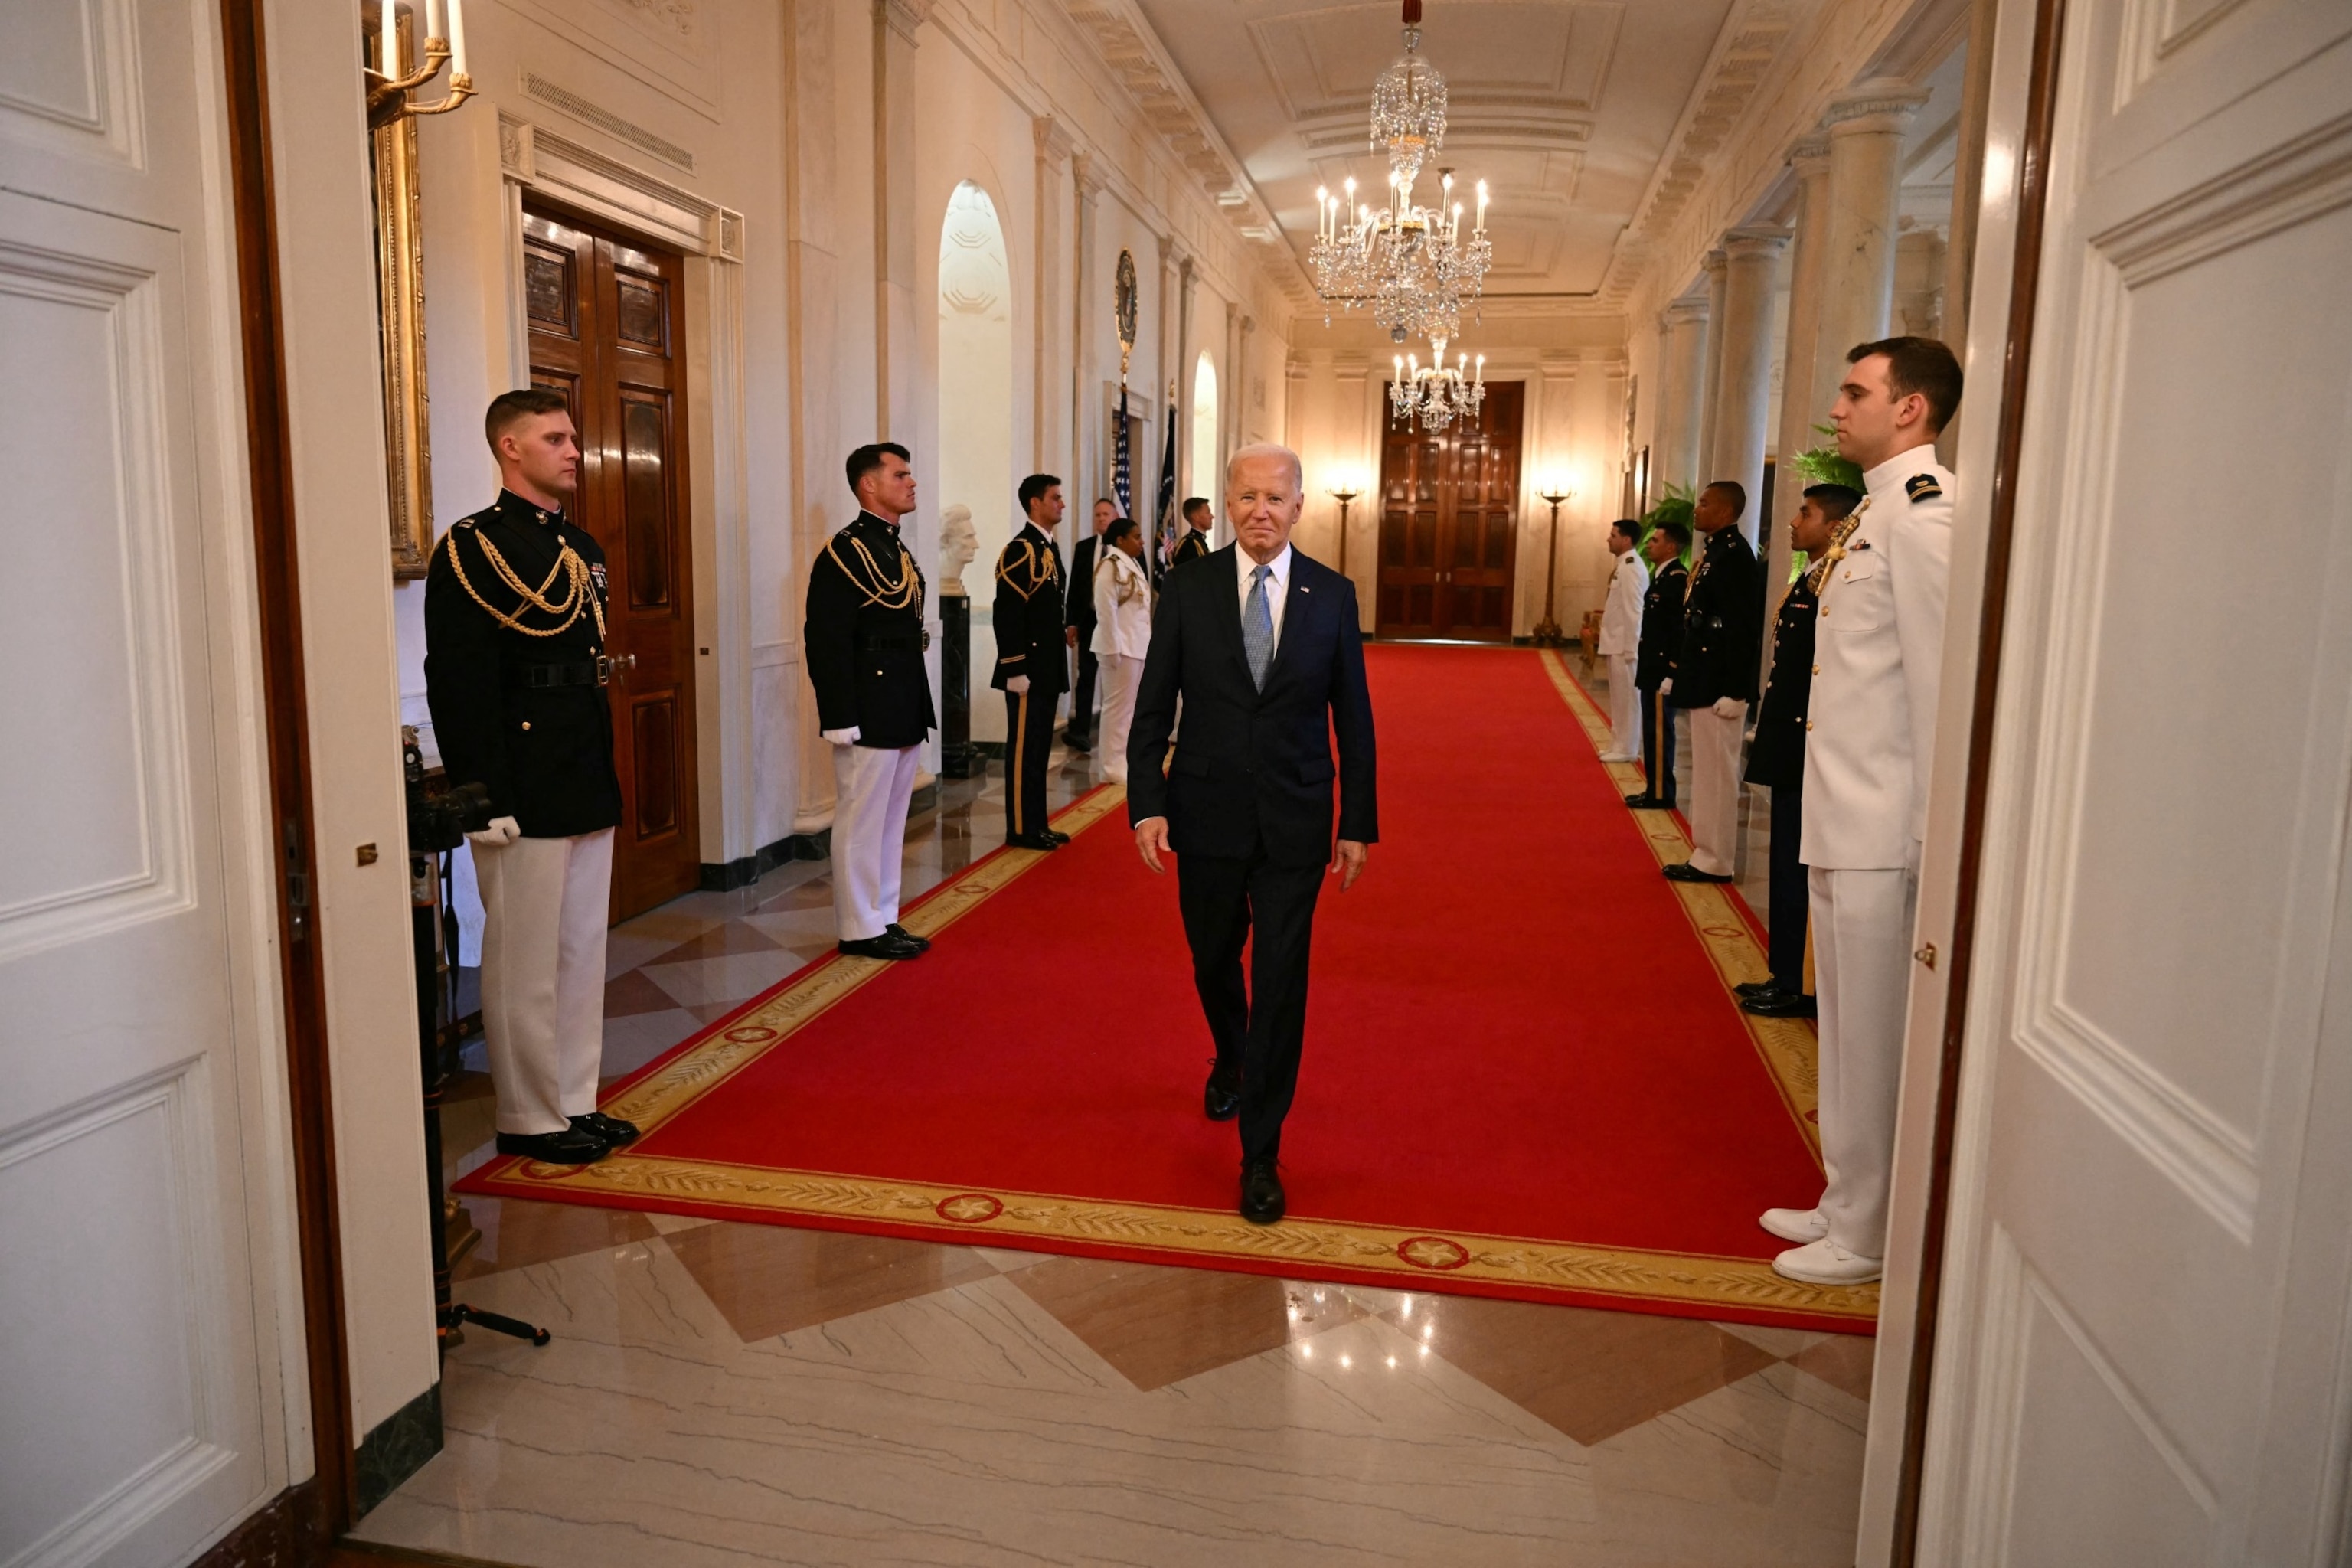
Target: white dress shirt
x,y
1620,616
1278,587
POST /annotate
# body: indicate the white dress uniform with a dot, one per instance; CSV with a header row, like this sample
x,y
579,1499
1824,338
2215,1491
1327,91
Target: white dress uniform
x,y
1122,636
1878,645
1621,635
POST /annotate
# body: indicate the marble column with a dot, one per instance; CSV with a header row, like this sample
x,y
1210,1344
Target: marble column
x,y
1919,282
1744,377
1714,268
1052,158
1682,360
897,378
1078,484
1810,159
1967,173
1866,129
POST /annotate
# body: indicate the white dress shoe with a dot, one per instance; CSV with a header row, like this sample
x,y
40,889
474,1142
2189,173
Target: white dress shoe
x,y
1795,1225
1824,1262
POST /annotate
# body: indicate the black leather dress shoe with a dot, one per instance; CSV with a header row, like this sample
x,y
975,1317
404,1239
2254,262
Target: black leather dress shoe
x,y
1222,1098
1647,802
1077,742
614,1132
923,944
1781,1004
1684,871
882,946
1031,841
1056,834
572,1146
1262,1199
1755,987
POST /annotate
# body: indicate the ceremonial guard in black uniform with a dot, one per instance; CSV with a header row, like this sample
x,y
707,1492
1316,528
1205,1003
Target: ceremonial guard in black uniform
x,y
1032,665
1078,615
1653,663
515,670
1776,755
865,639
1714,678
1198,516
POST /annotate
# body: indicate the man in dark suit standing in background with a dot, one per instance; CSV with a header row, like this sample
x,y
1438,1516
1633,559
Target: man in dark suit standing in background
x,y
1714,679
1195,543
1032,663
1264,648
1654,662
1078,620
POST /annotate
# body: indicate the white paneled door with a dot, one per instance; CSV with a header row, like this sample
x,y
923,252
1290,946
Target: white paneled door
x,y
2142,1354
139,1403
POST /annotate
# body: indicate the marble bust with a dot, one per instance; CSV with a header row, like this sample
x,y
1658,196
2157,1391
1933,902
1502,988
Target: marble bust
x,y
958,546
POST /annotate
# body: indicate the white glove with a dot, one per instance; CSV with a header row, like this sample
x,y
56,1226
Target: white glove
x,y
840,736
501,832
1018,685
1729,707
1666,687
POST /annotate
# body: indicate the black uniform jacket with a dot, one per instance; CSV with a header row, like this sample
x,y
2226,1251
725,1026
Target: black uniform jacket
x,y
1078,605
1253,768
1776,756
1723,624
1192,547
525,716
1662,625
864,636
1028,614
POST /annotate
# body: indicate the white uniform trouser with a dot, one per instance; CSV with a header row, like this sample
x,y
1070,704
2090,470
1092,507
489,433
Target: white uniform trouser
x,y
1712,808
871,787
1120,675
544,905
1625,708
1862,971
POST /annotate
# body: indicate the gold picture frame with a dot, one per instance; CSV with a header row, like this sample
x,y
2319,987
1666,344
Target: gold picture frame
x,y
400,310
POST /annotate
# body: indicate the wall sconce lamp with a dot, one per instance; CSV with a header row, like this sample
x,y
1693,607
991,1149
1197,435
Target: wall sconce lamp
x,y
390,89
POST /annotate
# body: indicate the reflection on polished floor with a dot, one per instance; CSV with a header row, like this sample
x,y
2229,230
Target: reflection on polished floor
x,y
721,1393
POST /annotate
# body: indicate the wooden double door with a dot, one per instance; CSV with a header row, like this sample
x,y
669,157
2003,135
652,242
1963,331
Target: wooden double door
x,y
605,315
1449,524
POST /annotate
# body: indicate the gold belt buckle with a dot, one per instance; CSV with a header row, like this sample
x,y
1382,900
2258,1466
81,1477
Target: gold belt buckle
x,y
603,670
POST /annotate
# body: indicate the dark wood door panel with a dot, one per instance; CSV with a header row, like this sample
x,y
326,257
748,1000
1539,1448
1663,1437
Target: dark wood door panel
x,y
606,327
1449,526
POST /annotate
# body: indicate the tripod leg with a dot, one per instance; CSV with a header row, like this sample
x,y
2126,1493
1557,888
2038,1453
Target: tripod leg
x,y
497,1322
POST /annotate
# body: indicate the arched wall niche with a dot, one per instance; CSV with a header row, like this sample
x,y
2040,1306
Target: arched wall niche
x,y
975,409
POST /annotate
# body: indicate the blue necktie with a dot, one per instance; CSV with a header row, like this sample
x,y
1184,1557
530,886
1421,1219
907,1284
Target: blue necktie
x,y
1257,627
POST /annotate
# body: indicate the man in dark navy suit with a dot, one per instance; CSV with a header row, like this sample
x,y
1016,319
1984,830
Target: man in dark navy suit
x,y
1263,648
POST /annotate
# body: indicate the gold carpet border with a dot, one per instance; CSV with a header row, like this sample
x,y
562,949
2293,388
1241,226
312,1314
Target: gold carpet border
x,y
1789,1046
1297,1245
747,1037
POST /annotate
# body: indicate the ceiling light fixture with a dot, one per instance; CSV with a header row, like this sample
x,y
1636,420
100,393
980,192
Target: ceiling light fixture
x,y
1438,394
1413,265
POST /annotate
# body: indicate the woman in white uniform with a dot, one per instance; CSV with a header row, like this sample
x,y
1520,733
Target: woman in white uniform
x,y
1122,636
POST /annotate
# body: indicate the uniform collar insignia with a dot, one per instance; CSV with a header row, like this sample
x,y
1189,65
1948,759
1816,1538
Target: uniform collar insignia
x,y
1854,544
1922,487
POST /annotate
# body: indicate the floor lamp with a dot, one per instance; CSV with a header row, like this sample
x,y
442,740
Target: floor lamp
x,y
1547,633
1343,492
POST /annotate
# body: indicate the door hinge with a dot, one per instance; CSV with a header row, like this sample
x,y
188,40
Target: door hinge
x,y
298,883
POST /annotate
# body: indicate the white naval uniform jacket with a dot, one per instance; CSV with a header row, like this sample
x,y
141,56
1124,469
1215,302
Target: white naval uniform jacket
x,y
1122,606
1621,615
1878,648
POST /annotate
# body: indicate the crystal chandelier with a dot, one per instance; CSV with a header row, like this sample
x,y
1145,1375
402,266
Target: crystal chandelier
x,y
1438,394
1412,264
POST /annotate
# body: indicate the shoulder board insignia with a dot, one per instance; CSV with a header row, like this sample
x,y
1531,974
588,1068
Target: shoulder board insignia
x,y
1855,545
1922,487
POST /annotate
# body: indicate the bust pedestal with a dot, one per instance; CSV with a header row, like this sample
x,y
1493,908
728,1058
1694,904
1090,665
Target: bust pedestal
x,y
957,758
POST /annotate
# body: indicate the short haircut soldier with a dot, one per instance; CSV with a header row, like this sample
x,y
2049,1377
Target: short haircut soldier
x,y
508,409
1194,505
1835,502
1677,531
1631,527
1917,365
1737,492
868,458
1037,485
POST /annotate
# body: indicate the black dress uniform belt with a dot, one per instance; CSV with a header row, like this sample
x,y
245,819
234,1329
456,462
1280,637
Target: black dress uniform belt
x,y
585,672
907,642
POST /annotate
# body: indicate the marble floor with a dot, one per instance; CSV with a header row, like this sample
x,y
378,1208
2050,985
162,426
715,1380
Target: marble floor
x,y
718,1393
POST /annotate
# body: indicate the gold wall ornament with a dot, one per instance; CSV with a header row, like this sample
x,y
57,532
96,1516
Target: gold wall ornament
x,y
400,315
392,84
1124,299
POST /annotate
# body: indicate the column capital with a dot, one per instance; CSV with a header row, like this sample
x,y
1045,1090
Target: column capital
x,y
1249,325
1809,155
903,16
1054,144
1233,315
1753,240
1186,274
1088,174
1685,313
1171,254
1882,106
1713,262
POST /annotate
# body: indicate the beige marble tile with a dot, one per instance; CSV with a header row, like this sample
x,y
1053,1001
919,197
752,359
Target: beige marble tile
x,y
733,977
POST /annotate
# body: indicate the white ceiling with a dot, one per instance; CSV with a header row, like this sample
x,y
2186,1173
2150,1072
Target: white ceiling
x,y
1565,107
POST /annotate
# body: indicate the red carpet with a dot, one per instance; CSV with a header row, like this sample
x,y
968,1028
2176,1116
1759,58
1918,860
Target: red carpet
x,y
1523,1073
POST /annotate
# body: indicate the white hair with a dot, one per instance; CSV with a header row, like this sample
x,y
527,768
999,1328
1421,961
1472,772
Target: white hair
x,y
1267,449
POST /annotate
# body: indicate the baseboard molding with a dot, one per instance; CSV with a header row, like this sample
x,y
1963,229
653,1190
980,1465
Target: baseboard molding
x,y
290,1530
397,1448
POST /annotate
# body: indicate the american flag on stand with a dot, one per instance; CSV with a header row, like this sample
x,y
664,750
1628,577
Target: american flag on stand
x,y
1163,510
1122,469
